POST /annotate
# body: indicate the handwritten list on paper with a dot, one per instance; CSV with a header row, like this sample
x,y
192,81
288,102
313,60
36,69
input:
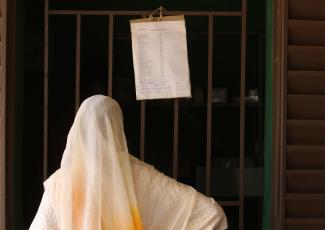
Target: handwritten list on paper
x,y
160,59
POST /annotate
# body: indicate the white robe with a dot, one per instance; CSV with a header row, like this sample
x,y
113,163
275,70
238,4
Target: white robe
x,y
99,186
206,214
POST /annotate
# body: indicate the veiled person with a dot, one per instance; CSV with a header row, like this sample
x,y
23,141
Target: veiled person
x,y
100,186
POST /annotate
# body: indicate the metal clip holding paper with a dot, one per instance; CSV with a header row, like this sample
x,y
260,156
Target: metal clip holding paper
x,y
160,10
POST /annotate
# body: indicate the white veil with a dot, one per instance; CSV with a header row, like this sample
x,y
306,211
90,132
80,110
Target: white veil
x,y
95,189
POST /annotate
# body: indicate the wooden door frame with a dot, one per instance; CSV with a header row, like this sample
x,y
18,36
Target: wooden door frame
x,y
7,104
3,9
279,102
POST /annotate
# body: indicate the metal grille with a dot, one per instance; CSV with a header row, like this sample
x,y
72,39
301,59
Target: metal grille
x,y
111,15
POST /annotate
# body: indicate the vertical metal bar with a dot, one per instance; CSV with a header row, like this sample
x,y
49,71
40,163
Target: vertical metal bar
x,y
209,107
110,55
175,144
46,76
142,129
78,38
242,115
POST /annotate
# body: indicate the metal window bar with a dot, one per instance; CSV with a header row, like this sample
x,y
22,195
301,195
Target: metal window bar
x,y
209,107
210,14
46,83
78,38
175,143
140,13
110,54
142,129
242,115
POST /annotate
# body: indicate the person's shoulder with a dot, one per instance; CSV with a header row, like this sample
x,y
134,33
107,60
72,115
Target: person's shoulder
x,y
149,173
142,171
137,163
52,180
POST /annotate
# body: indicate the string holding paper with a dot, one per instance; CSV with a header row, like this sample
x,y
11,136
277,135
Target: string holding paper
x,y
160,59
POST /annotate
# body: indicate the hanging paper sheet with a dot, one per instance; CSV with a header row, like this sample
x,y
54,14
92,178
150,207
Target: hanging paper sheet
x,y
160,58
